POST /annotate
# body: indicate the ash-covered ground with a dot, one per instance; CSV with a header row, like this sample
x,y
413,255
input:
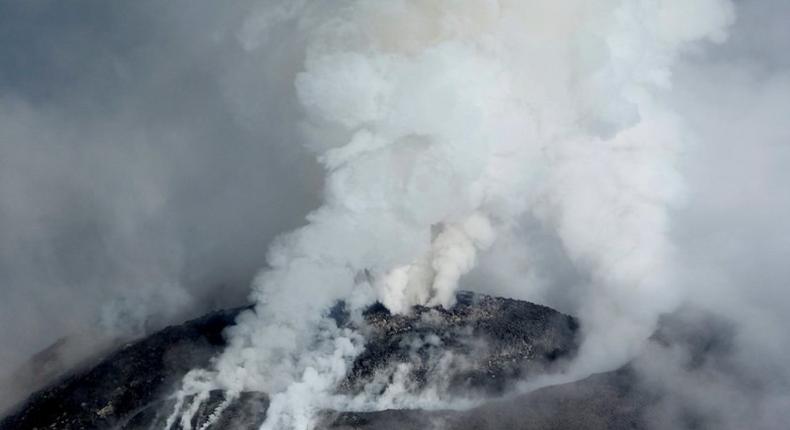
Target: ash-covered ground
x,y
481,348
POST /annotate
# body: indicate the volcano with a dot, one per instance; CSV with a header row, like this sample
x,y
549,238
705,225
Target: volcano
x,y
481,348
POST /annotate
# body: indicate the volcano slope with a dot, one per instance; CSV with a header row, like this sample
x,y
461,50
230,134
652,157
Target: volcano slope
x,y
480,347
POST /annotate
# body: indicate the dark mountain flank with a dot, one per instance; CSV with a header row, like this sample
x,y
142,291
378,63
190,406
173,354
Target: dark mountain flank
x,y
485,345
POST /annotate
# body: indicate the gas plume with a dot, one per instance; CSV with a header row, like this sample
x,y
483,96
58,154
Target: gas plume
x,y
439,124
617,160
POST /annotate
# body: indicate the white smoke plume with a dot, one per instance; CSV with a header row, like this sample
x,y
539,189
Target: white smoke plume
x,y
603,158
440,124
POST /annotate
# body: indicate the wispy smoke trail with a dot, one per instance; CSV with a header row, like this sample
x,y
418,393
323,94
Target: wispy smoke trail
x,y
439,123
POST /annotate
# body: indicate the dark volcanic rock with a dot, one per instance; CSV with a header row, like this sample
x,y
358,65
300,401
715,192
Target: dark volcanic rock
x,y
127,381
248,411
491,342
608,401
496,341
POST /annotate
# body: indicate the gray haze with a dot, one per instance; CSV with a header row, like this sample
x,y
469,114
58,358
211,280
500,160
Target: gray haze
x,y
147,160
145,164
732,233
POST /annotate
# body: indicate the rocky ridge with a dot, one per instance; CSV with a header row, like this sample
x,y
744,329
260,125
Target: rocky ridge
x,y
491,343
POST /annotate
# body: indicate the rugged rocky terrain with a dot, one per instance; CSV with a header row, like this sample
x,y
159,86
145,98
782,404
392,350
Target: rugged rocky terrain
x,y
491,343
608,401
126,381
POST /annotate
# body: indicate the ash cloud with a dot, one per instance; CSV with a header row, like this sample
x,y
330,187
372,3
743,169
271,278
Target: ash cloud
x,y
618,162
145,164
437,140
729,234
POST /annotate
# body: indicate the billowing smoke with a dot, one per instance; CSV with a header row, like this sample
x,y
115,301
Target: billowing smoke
x,y
439,125
136,190
615,159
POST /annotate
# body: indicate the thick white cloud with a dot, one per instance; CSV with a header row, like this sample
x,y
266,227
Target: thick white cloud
x,y
615,159
437,140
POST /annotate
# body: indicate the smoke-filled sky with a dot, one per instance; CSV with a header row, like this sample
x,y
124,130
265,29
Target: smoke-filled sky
x,y
151,151
145,167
